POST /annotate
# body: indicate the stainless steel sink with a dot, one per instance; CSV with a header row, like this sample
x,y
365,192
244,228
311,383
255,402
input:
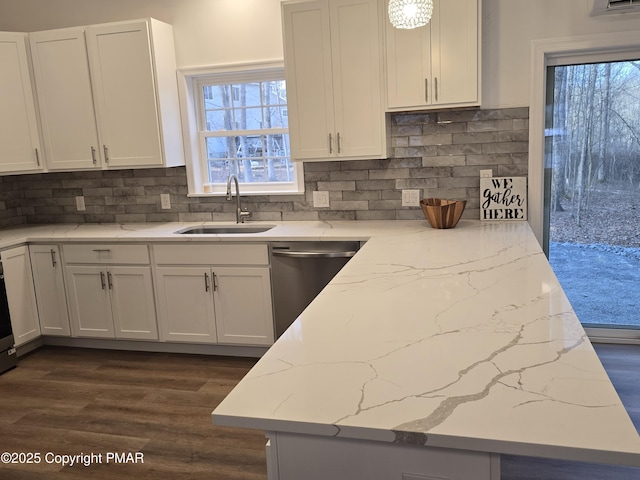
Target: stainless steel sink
x,y
222,229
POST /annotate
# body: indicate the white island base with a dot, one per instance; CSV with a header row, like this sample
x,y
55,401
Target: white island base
x,y
312,457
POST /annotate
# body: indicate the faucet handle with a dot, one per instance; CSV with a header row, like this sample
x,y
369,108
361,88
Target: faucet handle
x,y
243,214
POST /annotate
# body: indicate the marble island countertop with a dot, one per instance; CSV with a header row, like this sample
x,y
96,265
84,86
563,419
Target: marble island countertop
x,y
456,338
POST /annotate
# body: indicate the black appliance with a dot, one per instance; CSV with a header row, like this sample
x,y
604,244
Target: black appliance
x,y
8,358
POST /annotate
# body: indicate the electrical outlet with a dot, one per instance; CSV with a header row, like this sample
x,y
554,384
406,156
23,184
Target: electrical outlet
x,y
165,201
486,173
410,198
80,204
321,199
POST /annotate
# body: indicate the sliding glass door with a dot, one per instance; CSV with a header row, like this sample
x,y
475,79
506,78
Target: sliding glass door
x,y
592,192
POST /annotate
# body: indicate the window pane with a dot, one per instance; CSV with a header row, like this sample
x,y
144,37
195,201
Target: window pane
x,y
217,96
248,119
218,120
247,95
219,170
276,117
220,147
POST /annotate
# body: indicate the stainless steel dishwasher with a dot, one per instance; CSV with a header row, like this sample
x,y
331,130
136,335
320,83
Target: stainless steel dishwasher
x,y
299,271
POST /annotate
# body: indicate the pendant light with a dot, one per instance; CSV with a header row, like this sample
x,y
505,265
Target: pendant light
x,y
410,13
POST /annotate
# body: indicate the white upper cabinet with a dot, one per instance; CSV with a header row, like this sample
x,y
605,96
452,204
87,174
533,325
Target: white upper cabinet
x,y
438,65
108,96
19,136
65,99
333,69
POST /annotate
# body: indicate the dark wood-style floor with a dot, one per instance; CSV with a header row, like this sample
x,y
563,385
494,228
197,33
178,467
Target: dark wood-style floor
x,y
72,401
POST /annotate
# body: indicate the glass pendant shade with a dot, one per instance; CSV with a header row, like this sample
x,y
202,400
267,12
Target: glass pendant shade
x,y
410,13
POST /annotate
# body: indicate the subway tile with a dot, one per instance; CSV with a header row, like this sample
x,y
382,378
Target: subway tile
x,y
347,175
362,195
348,185
444,161
474,137
385,204
390,173
375,184
349,205
428,140
490,125
431,183
300,216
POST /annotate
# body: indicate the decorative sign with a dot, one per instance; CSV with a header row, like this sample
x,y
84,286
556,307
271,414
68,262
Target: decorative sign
x,y
503,198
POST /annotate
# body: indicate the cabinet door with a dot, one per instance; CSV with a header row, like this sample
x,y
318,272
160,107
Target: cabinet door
x,y
307,50
49,289
437,65
455,53
134,311
408,66
125,93
20,294
88,298
185,304
19,137
65,99
244,313
356,61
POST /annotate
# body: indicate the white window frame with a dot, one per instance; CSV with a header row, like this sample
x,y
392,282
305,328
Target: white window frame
x,y
189,80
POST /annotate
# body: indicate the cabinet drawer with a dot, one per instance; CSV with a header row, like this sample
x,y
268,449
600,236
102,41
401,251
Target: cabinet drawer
x,y
226,254
106,253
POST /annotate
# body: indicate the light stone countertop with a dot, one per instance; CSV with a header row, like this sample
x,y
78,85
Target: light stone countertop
x,y
457,338
161,232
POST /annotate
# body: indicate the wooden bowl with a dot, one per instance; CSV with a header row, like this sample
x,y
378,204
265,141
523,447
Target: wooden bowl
x,y
442,213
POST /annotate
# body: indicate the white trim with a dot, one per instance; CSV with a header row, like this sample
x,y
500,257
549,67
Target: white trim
x,y
542,53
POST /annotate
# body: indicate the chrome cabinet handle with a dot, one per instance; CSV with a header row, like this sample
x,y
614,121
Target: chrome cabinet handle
x,y
436,87
102,279
330,143
37,157
53,258
206,282
101,250
426,89
93,154
109,279
339,143
215,282
106,153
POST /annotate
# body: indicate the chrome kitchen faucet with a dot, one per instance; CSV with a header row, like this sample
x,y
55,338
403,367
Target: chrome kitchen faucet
x,y
240,213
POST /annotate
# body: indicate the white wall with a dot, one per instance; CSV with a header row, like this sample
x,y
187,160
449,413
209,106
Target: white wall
x,y
209,32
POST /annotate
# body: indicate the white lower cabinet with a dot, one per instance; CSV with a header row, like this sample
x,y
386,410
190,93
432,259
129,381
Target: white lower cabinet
x,y
50,291
20,294
228,304
107,300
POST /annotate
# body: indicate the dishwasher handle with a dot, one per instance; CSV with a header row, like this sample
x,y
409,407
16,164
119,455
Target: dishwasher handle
x,y
304,254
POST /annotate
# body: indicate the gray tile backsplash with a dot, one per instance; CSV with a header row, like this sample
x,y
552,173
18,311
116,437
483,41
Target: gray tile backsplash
x,y
440,153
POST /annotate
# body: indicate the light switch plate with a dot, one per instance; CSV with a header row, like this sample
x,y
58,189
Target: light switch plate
x,y
321,199
165,201
80,204
410,198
